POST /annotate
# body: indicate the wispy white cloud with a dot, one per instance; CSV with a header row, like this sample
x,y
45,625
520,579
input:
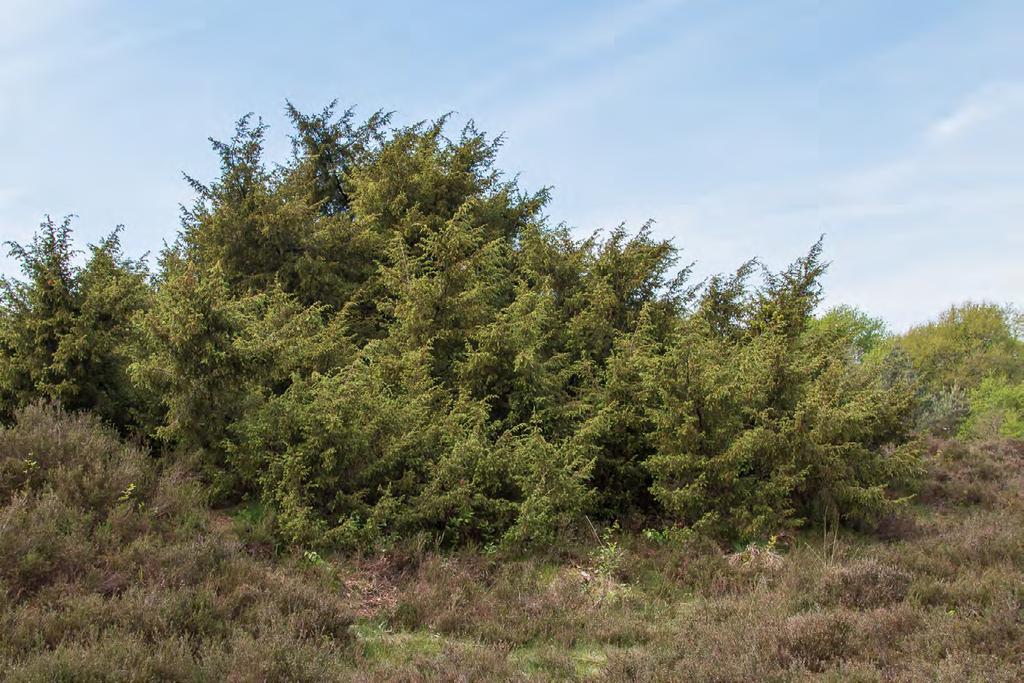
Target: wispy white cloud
x,y
136,39
25,46
601,33
9,195
988,103
40,39
22,22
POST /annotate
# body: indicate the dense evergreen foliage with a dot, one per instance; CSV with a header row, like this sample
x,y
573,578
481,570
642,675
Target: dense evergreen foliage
x,y
383,336
66,331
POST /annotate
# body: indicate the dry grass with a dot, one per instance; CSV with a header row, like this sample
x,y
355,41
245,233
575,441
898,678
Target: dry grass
x,y
103,580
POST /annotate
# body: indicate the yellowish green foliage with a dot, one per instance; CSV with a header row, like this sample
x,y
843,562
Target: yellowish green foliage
x,y
382,337
966,344
996,410
967,363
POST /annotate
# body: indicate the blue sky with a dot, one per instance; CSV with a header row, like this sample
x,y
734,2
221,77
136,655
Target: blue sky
x,y
742,128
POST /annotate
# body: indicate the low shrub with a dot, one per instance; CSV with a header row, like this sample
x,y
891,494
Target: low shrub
x,y
816,639
865,585
111,569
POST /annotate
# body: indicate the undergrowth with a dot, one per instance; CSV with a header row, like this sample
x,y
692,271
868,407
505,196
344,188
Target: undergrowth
x,y
113,567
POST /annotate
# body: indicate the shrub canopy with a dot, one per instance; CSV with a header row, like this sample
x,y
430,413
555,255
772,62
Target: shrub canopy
x,y
383,336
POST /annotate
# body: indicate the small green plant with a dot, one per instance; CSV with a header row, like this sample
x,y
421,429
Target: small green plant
x,y
131,496
670,536
608,557
313,558
128,494
659,536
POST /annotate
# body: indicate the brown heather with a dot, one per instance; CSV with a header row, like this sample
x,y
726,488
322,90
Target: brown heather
x,y
112,570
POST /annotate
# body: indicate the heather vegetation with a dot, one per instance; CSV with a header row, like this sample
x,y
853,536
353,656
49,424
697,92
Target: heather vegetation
x,y
371,415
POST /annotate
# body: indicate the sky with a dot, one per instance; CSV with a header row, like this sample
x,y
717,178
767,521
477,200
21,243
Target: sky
x,y
743,129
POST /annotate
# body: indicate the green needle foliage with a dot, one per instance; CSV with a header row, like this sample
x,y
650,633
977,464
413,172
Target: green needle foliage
x,y
383,336
66,330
